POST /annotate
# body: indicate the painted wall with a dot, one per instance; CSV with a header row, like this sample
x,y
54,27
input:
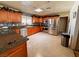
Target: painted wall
x,y
63,14
73,25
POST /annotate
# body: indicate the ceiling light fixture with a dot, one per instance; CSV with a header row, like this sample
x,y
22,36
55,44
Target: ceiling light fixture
x,y
38,10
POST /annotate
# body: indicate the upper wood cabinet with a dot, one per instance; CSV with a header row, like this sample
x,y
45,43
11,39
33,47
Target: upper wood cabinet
x,y
35,19
9,16
17,17
3,15
41,20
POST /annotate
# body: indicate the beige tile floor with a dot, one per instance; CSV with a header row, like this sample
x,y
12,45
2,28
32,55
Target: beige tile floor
x,y
44,45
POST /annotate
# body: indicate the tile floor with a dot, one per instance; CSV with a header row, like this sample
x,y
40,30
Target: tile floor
x,y
45,45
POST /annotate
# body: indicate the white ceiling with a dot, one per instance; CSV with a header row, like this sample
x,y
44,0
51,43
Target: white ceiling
x,y
49,7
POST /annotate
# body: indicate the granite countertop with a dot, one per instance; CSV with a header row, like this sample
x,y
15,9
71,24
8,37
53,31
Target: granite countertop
x,y
17,27
32,26
11,41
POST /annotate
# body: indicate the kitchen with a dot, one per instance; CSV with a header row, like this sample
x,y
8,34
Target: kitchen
x,y
26,30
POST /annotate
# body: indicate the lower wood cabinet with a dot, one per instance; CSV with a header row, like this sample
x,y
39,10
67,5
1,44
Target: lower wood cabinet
x,y
33,30
19,51
17,30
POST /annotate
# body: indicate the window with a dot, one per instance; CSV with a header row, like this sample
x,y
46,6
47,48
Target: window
x,y
29,20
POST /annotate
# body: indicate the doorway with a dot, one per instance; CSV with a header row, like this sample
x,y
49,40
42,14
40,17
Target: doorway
x,y
63,24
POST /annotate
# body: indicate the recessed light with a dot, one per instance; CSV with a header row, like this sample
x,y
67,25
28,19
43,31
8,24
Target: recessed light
x,y
38,10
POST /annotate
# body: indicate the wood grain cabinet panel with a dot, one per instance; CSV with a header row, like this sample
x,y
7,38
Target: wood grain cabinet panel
x,y
34,30
18,51
40,20
2,15
15,17
9,16
19,17
35,19
17,31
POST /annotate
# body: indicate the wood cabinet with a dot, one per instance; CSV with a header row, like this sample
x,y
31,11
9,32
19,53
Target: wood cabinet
x,y
17,31
41,28
17,17
33,30
2,15
40,20
18,51
14,17
9,16
35,19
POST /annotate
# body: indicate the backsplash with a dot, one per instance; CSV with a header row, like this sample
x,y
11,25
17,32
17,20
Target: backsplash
x,y
3,24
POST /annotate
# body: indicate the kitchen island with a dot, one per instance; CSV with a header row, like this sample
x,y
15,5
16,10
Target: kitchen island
x,y
12,45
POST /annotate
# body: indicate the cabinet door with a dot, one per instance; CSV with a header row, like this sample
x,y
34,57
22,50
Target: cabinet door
x,y
18,17
33,19
20,51
15,17
2,15
17,30
29,32
10,16
36,20
5,16
40,20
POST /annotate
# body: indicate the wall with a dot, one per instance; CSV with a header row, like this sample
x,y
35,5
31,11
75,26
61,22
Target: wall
x,y
73,26
63,14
